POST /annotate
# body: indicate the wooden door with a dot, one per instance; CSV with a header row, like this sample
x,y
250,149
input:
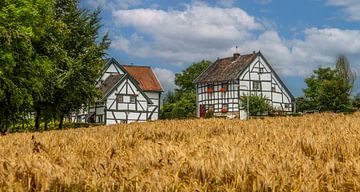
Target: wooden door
x,y
202,110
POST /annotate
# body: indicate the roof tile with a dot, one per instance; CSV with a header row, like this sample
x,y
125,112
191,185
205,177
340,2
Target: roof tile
x,y
145,76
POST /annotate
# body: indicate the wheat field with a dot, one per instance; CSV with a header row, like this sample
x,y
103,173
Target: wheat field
x,y
319,152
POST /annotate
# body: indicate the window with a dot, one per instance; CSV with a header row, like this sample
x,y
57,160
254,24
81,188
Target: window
x,y
225,106
261,70
120,98
273,88
224,87
132,99
210,88
256,85
286,105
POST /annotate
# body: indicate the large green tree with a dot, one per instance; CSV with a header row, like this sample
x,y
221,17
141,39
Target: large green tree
x,y
327,90
182,102
184,80
82,64
50,56
22,24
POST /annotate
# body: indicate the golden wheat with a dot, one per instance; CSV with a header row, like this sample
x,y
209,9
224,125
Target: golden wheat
x,y
318,152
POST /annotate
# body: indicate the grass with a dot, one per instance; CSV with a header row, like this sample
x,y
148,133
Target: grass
x,y
318,152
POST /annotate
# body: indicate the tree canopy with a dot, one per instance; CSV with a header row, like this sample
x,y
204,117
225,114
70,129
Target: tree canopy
x,y
327,90
182,102
49,58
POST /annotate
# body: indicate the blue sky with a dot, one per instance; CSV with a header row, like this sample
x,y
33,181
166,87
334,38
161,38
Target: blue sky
x,y
296,36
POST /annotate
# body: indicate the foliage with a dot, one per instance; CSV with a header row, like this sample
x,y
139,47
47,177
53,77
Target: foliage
x,y
183,108
22,24
318,152
304,103
182,102
184,80
50,58
343,69
327,90
356,102
258,105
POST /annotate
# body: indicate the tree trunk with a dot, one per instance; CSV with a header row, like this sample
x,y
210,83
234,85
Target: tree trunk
x,y
37,119
61,121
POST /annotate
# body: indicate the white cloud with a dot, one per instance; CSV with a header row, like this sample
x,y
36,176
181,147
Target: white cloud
x,y
202,32
166,78
351,8
186,36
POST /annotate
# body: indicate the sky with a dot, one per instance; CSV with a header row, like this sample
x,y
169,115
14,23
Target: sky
x,y
296,36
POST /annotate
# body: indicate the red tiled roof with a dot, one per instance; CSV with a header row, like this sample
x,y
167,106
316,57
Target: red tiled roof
x,y
225,69
145,76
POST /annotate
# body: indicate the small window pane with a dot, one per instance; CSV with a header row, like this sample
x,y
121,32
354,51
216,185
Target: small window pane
x,y
120,98
256,85
273,89
132,99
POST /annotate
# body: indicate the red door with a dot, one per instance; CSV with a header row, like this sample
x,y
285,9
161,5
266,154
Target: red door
x,y
202,110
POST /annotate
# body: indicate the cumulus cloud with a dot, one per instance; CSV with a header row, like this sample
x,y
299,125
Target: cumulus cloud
x,y
166,78
181,37
185,36
351,8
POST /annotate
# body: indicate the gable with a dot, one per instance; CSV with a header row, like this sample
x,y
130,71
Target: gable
x,y
111,67
134,88
267,68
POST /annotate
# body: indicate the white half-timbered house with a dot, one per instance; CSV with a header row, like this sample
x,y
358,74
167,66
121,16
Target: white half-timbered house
x,y
222,84
129,94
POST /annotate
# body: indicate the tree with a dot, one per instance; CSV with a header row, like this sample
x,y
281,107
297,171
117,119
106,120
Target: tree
x,y
356,101
343,69
183,108
184,80
78,60
257,105
182,102
21,24
304,103
328,91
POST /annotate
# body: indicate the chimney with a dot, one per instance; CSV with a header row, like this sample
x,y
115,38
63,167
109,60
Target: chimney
x,y
236,56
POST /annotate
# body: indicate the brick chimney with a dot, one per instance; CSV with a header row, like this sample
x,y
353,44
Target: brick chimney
x,y
236,56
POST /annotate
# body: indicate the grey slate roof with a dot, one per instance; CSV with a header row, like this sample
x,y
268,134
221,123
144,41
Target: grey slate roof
x,y
109,83
225,69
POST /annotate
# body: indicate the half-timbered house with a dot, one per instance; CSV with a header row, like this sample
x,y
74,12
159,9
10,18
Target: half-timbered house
x,y
222,84
128,94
